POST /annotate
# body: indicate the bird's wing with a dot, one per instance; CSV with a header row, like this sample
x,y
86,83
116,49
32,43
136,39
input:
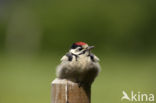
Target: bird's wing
x,y
64,58
67,57
96,59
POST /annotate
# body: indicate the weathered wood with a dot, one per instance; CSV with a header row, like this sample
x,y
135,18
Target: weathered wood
x,y
65,91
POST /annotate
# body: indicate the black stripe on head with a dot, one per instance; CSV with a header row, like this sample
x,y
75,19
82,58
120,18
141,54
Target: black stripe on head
x,y
75,46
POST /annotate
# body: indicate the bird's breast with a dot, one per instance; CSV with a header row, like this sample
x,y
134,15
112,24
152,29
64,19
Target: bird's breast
x,y
80,62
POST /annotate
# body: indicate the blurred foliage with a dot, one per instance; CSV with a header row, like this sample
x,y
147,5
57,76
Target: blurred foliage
x,y
127,26
120,30
28,80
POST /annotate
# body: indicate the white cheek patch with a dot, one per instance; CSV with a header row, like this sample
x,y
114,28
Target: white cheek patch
x,y
74,51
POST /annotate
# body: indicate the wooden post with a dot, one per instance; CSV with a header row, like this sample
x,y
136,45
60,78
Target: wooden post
x,y
65,91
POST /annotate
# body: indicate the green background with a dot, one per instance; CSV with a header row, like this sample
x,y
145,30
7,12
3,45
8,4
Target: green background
x,y
35,34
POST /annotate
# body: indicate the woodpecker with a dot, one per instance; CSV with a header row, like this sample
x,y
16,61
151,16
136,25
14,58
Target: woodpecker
x,y
79,65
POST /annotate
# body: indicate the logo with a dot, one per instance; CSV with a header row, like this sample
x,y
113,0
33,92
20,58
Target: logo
x,y
138,96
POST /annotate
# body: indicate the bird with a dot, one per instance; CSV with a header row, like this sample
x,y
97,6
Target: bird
x,y
79,65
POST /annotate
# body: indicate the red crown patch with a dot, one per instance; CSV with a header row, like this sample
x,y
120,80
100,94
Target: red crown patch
x,y
80,43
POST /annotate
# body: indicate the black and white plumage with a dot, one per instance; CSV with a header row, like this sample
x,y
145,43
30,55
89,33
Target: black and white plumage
x,y
79,65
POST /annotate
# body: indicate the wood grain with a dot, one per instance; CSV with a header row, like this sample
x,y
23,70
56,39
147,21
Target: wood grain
x,y
65,91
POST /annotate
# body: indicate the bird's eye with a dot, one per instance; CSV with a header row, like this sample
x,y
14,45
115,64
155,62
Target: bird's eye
x,y
80,49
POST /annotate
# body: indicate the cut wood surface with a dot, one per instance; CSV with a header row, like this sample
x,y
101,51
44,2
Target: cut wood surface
x,y
65,91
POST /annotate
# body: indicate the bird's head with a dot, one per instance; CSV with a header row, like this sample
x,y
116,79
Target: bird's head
x,y
79,48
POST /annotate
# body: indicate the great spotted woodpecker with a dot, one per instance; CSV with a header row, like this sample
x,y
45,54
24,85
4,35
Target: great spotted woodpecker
x,y
79,64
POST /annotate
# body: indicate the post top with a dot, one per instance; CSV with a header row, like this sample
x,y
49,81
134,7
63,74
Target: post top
x,y
62,81
66,91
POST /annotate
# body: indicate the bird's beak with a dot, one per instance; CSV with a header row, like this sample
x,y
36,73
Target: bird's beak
x,y
90,47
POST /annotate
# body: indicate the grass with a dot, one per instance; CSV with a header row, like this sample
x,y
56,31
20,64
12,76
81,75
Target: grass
x,y
25,79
